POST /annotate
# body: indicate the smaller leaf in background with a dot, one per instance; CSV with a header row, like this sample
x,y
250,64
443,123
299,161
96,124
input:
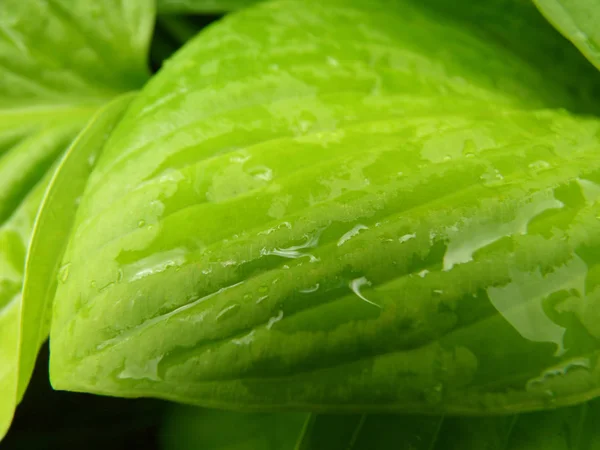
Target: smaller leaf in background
x,y
578,21
190,428
14,240
52,228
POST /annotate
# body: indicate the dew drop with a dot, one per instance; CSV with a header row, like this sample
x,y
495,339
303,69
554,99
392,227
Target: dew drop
x,y
539,165
273,320
357,284
228,312
263,289
310,289
63,273
350,234
407,237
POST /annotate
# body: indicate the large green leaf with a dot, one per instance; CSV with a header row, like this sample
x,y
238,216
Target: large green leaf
x,y
341,206
578,20
59,61
189,428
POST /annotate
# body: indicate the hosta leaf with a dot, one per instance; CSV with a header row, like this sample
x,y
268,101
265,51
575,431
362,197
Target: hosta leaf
x,y
578,20
186,427
53,224
572,428
299,212
59,61
14,237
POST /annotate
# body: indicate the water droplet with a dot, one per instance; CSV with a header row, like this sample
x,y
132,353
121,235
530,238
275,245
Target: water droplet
x,y
407,237
260,299
332,61
244,340
538,166
521,301
273,320
228,263
228,312
92,159
147,370
240,158
294,252
438,291
261,173
357,284
469,148
275,228
310,289
492,178
263,289
423,273
350,234
466,239
590,190
559,378
141,223
63,273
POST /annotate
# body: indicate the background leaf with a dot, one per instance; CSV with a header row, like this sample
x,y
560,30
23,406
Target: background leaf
x,y
53,224
189,428
578,21
300,213
59,62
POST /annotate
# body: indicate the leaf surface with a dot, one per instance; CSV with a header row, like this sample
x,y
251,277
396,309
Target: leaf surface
x,y
578,20
572,428
396,216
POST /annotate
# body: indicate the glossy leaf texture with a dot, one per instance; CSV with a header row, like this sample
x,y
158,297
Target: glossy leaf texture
x,y
571,428
59,62
299,212
578,20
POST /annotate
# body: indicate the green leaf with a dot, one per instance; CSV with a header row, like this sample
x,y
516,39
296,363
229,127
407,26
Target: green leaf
x,y
189,428
14,237
578,21
186,427
59,62
201,6
53,224
302,213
